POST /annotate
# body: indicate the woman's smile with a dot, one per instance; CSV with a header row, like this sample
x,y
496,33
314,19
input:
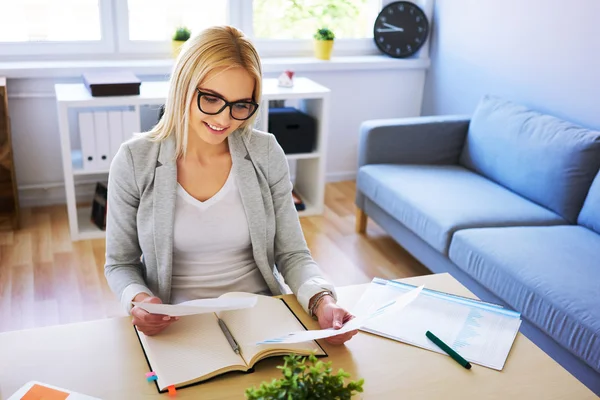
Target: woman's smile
x,y
215,129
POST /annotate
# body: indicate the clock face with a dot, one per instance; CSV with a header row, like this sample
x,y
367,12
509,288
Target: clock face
x,y
400,29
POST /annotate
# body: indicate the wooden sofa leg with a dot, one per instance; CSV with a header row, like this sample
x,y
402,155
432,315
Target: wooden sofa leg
x,y
361,221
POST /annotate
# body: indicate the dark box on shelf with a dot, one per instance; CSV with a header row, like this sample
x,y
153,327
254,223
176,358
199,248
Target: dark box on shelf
x,y
295,131
99,206
112,83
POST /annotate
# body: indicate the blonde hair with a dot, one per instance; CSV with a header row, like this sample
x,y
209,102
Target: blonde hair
x,y
215,47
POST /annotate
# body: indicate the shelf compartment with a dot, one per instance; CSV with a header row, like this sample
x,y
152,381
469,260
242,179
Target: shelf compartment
x,y
87,229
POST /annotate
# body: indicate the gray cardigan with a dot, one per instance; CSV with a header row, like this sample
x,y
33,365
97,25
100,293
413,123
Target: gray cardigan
x,y
141,202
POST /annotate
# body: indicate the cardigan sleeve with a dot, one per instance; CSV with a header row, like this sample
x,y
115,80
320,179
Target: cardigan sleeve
x,y
123,268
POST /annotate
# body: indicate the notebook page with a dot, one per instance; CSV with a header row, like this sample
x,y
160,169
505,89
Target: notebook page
x,y
480,333
190,348
270,317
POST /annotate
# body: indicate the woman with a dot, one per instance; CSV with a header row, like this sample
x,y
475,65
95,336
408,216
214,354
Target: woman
x,y
202,204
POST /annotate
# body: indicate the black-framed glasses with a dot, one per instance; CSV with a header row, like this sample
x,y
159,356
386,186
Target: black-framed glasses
x,y
212,104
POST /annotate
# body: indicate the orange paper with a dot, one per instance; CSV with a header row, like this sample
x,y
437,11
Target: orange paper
x,y
38,392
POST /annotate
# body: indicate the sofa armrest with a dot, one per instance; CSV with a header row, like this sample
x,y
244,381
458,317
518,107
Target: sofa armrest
x,y
420,140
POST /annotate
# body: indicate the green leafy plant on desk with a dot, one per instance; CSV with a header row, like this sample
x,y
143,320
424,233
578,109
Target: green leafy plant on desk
x,y
303,381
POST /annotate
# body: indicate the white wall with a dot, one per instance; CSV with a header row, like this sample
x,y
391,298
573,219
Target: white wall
x,y
542,53
356,96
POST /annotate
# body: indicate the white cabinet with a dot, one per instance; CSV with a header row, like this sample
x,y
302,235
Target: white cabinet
x,y
307,95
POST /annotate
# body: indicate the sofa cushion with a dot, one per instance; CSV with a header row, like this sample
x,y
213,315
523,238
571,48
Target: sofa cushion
x,y
547,160
549,274
590,213
435,201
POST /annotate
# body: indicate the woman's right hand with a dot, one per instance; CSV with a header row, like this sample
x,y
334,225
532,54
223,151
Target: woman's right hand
x,y
150,324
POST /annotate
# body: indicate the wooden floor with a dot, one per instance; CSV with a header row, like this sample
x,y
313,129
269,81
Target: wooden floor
x,y
45,279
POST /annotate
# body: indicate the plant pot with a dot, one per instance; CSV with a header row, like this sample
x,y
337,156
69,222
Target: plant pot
x,y
176,47
323,49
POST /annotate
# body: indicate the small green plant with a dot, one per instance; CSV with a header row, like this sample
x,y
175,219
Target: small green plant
x,y
182,34
303,381
324,34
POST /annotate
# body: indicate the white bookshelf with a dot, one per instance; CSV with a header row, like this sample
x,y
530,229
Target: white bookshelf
x,y
307,95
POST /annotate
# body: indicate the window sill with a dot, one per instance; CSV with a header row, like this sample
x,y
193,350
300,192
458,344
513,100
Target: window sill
x,y
70,69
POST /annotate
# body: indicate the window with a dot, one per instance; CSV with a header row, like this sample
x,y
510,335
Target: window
x,y
53,27
49,20
297,19
122,28
156,20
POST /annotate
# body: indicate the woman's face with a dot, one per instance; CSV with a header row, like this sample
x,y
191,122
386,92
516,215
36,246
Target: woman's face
x,y
234,84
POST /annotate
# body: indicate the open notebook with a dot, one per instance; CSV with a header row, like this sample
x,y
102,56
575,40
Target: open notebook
x,y
195,348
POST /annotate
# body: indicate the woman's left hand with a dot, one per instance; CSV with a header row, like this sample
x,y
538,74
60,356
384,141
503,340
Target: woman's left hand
x,y
330,315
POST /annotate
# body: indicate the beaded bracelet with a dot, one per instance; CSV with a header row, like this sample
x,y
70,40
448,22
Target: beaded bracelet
x,y
317,300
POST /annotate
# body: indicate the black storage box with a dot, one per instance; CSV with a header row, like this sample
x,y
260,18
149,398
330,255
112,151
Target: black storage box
x,y
295,131
99,206
112,84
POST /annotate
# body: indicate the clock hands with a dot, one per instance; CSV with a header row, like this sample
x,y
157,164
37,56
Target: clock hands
x,y
390,28
393,27
382,30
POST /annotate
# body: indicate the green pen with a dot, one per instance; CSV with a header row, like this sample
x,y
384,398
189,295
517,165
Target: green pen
x,y
448,350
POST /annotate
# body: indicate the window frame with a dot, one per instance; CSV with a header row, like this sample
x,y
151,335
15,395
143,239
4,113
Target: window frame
x,y
304,47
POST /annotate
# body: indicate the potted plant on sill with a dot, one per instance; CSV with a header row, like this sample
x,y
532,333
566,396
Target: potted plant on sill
x,y
302,381
323,43
182,34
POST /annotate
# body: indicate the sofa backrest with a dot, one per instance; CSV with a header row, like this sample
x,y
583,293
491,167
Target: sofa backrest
x,y
544,159
590,213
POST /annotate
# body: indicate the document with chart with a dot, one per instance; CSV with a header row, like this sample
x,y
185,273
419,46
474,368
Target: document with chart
x,y
480,332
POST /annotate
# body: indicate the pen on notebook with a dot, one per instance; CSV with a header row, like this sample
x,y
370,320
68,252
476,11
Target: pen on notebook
x,y
448,350
229,336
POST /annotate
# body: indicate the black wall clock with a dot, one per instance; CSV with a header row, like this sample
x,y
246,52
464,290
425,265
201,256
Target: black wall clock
x,y
400,29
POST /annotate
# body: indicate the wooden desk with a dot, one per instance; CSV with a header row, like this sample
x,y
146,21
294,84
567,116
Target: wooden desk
x,y
104,359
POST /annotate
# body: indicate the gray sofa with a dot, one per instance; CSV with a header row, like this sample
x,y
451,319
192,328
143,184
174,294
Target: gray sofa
x,y
508,202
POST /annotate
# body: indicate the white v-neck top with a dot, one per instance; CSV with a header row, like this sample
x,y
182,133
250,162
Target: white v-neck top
x,y
212,251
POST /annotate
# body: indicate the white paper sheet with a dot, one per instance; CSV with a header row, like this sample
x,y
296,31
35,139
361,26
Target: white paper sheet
x,y
202,306
377,310
481,333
